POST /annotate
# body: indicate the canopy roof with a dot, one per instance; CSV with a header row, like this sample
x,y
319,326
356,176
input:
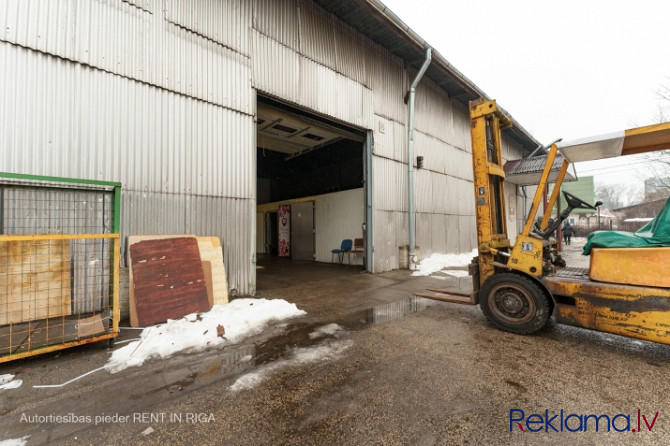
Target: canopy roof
x,y
638,140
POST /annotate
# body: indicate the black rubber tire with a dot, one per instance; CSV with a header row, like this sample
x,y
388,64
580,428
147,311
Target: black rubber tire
x,y
514,303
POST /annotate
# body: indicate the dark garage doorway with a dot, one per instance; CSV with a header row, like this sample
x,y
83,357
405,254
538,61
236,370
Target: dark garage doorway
x,y
316,166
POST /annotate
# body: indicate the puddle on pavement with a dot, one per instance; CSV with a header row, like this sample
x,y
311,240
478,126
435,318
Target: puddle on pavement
x,y
238,359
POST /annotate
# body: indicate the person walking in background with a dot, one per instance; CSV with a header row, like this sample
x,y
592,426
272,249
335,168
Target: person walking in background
x,y
568,231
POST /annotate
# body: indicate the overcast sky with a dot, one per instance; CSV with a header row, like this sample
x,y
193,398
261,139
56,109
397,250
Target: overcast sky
x,y
563,69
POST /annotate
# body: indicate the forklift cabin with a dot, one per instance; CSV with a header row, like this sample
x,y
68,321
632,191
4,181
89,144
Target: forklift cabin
x,y
625,291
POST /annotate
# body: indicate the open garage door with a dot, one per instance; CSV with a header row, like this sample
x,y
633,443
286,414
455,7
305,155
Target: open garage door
x,y
315,167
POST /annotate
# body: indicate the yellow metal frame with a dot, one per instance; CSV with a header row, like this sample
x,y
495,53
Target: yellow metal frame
x,y
114,332
486,122
638,311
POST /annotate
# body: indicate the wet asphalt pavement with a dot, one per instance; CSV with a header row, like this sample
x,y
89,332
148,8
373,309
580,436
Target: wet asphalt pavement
x,y
399,371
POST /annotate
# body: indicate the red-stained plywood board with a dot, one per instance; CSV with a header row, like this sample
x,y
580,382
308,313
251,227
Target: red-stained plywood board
x,y
168,279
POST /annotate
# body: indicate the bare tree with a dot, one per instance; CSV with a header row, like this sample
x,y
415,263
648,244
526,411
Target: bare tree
x,y
658,185
615,196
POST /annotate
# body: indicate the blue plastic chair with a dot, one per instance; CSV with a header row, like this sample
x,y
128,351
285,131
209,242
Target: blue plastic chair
x,y
346,246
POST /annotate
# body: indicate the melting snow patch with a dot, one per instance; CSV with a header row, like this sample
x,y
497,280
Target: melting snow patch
x,y
326,330
15,441
241,318
299,356
437,262
457,272
8,382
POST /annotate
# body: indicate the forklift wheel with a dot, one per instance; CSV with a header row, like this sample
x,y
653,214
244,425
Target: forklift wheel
x,y
514,303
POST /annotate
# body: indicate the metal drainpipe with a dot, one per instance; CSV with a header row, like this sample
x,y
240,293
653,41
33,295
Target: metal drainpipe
x,y
410,156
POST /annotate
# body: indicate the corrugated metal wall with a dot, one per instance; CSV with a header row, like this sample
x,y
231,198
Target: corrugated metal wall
x,y
154,94
159,95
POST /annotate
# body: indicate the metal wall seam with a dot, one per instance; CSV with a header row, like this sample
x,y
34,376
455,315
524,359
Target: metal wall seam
x,y
144,46
434,112
388,83
74,121
351,53
317,34
221,21
390,234
333,94
227,218
423,190
278,20
275,68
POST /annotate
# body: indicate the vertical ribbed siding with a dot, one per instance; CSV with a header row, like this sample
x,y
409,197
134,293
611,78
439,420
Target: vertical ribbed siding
x,y
333,94
224,22
317,34
390,185
351,52
227,218
278,20
63,119
199,52
390,233
433,112
390,139
388,83
275,67
164,106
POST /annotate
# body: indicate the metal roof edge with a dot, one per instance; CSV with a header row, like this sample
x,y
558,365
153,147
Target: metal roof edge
x,y
446,65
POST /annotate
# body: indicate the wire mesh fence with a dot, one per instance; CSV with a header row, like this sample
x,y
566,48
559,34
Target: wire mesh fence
x,y
59,257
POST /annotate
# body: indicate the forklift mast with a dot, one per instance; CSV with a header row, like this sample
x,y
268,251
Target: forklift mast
x,y
486,122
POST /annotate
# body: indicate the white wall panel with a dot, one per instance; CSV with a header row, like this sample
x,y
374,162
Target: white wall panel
x,y
337,216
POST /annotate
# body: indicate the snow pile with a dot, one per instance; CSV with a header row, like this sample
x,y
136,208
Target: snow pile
x,y
8,382
299,356
438,262
14,441
223,324
326,330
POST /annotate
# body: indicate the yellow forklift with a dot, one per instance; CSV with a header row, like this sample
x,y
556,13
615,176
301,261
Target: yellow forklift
x,y
625,291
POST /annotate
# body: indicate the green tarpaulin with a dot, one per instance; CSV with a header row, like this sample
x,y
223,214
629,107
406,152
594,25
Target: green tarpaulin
x,y
654,233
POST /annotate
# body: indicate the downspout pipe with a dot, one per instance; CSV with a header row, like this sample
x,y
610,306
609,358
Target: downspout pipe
x,y
410,158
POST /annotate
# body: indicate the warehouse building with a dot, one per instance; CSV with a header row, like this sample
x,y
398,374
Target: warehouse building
x,y
223,117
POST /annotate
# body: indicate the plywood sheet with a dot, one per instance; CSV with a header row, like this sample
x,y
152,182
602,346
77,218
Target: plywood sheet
x,y
90,326
34,280
210,251
132,239
168,279
207,269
